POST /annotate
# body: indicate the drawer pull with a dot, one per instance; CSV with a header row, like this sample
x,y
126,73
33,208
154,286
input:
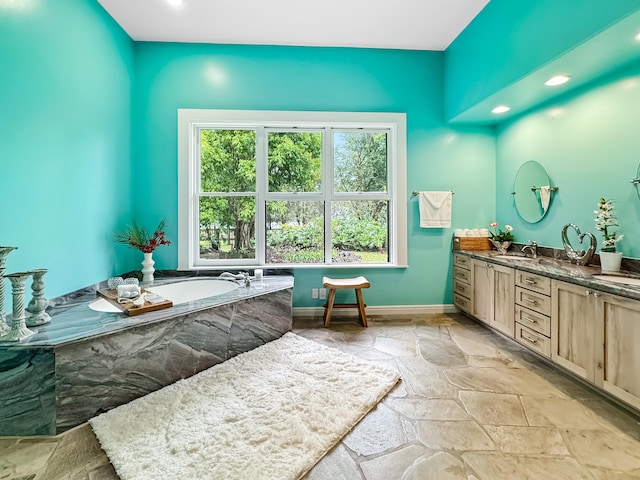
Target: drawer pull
x,y
529,281
460,275
529,339
529,319
532,302
596,294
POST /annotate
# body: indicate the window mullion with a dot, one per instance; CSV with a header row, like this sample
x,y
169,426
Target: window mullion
x,y
327,183
196,188
261,188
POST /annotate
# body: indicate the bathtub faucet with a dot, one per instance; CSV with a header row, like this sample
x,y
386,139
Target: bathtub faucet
x,y
241,278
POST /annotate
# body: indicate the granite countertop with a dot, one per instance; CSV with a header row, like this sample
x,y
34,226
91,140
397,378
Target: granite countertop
x,y
563,270
75,321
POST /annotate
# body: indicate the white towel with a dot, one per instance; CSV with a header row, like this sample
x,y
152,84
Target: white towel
x,y
435,209
545,197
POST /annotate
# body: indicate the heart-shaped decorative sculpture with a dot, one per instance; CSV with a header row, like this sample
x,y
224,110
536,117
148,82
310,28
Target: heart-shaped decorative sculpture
x,y
579,257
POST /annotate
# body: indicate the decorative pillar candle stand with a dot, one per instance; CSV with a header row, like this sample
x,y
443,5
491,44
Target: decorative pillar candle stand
x,y
19,330
38,304
4,251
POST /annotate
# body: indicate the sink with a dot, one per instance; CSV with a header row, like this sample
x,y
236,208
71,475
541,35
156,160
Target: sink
x,y
513,257
618,279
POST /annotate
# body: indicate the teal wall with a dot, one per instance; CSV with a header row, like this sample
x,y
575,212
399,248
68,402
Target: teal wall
x,y
589,144
510,39
172,76
72,173
65,139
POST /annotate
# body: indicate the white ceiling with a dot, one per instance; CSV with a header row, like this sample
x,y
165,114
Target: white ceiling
x,y
398,24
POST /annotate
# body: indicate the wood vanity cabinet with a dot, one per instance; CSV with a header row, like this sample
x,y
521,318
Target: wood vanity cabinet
x,y
493,295
617,338
533,310
462,288
595,335
573,328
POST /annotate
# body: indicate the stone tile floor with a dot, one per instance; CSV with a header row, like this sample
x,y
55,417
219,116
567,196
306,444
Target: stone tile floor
x,y
471,405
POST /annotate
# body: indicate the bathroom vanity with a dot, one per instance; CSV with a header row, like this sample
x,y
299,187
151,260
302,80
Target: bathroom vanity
x,y
588,326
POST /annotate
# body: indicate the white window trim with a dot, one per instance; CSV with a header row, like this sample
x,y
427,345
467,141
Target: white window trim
x,y
188,175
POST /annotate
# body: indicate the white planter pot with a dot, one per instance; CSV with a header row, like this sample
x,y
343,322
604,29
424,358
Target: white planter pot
x,y
610,261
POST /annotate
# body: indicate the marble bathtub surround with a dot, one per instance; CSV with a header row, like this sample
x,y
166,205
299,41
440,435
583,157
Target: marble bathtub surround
x,y
85,362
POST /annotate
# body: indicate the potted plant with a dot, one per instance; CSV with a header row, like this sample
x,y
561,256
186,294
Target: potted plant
x,y
502,239
610,259
139,238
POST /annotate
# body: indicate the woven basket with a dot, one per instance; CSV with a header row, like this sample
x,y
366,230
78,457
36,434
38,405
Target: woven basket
x,y
471,243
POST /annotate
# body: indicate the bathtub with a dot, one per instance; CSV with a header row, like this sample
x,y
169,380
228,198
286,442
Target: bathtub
x,y
178,292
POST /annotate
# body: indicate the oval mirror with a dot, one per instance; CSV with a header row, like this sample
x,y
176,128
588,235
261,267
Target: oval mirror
x,y
532,191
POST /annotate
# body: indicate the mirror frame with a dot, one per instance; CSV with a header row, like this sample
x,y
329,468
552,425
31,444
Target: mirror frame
x,y
526,191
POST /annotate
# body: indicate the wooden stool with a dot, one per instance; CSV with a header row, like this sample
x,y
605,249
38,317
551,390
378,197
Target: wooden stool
x,y
334,284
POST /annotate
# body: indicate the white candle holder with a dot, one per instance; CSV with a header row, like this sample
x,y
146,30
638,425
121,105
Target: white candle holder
x,y
19,330
38,304
4,251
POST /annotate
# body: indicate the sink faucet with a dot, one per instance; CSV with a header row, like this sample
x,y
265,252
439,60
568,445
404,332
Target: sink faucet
x,y
532,247
241,278
245,278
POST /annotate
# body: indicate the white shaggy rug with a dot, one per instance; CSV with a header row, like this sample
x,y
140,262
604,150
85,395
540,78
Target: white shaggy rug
x,y
271,413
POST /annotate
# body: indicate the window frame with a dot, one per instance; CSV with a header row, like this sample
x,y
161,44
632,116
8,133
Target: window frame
x,y
191,121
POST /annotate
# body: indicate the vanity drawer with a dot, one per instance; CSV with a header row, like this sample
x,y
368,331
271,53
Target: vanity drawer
x,y
534,320
534,282
462,288
463,303
533,301
461,261
533,340
461,274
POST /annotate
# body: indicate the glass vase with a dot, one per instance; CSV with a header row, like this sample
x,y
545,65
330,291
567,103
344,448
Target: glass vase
x,y
502,247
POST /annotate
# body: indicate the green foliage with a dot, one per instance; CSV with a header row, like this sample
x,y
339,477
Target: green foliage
x,y
359,235
305,256
301,236
356,235
360,162
294,161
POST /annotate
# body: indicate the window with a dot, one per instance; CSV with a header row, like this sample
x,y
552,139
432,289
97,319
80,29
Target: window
x,y
291,188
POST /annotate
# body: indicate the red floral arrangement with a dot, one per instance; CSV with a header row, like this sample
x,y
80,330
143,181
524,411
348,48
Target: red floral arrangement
x,y
137,237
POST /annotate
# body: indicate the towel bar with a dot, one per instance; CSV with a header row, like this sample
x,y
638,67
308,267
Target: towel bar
x,y
415,193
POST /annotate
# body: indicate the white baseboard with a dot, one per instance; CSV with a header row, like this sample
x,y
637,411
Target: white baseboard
x,y
377,310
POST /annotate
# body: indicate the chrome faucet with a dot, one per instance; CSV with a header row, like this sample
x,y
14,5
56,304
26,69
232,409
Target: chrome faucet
x,y
241,278
532,247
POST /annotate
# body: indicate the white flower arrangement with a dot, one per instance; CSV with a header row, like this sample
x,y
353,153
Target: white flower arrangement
x,y
605,219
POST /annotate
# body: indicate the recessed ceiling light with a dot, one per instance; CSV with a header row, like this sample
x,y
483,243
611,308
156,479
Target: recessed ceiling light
x,y
175,2
637,37
501,109
557,80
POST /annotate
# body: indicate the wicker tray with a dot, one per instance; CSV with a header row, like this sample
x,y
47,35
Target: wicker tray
x,y
471,243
